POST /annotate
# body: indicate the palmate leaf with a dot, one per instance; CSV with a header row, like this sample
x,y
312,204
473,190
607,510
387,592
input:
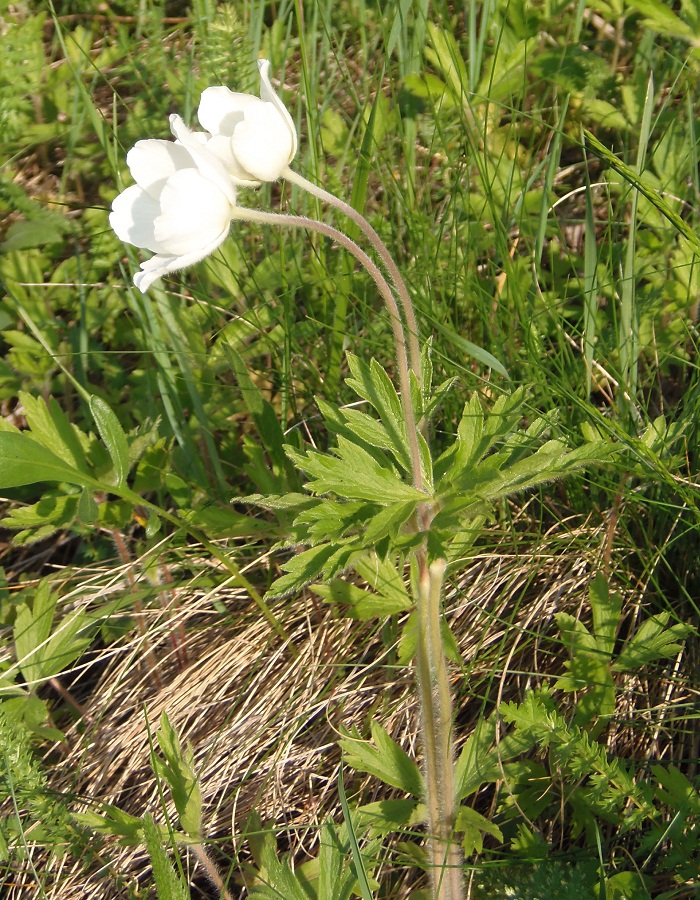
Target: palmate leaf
x,y
654,639
51,427
552,461
478,433
473,826
335,878
385,759
323,561
331,519
606,608
360,603
362,429
39,520
385,596
385,576
373,384
274,878
353,474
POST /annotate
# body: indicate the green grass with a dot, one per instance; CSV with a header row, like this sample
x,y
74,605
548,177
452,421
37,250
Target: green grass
x,y
519,242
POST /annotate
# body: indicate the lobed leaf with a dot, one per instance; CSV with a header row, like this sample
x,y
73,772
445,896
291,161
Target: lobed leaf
x,y
177,770
385,760
353,475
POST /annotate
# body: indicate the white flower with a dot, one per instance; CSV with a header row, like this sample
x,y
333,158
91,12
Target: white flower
x,y
180,207
254,137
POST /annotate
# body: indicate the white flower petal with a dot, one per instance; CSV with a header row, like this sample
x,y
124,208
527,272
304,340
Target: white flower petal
x,y
263,137
220,109
208,164
152,161
132,218
220,146
155,267
269,96
263,144
193,213
152,269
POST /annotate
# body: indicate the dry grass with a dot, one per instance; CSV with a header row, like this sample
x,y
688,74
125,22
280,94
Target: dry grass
x,y
263,721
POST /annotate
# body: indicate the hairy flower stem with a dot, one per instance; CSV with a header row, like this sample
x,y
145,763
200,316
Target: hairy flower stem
x,y
431,666
436,713
211,871
382,252
253,215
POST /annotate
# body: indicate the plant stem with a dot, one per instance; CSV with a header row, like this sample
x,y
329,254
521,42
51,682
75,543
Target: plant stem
x,y
431,666
268,218
211,871
436,713
383,253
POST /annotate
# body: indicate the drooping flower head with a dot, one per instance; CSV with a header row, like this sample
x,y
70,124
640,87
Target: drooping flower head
x,y
184,198
180,207
254,137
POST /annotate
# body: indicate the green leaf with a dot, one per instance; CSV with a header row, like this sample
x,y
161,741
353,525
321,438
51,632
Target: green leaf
x,y
448,59
470,436
629,886
576,636
659,17
329,520
588,670
32,629
384,816
476,763
374,385
292,502
42,650
39,520
127,828
24,461
606,608
33,233
654,639
631,177
363,604
263,415
357,426
223,521
385,577
551,462
113,437
474,826
387,522
276,879
353,475
335,879
358,860
385,760
178,771
324,560
488,360
677,791
169,885
50,427
477,434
